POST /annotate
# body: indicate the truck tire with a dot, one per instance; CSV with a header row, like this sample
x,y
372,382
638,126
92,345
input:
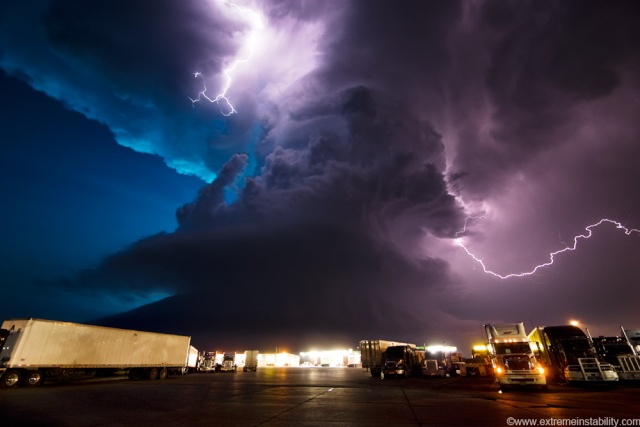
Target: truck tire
x,y
163,374
152,373
11,378
33,378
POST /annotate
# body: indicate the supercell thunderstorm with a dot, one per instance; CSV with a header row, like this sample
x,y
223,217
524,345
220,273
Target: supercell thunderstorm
x,y
338,143
257,24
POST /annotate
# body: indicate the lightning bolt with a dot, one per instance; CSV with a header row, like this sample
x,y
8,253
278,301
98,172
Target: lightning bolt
x,y
222,96
464,228
588,234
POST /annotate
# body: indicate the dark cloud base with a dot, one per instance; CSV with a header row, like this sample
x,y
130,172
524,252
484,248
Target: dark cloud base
x,y
314,286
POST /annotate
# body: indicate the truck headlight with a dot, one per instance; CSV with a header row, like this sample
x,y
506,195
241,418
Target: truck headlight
x,y
541,370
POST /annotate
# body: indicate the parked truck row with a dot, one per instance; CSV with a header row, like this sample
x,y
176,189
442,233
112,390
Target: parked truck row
x,y
386,358
220,361
562,354
35,350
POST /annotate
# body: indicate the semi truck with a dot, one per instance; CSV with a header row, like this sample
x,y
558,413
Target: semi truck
x,y
402,361
250,361
208,363
569,356
35,350
619,352
372,354
439,361
514,363
229,363
479,364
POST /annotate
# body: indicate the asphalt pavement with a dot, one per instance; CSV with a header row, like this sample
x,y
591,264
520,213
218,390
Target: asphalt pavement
x,y
311,397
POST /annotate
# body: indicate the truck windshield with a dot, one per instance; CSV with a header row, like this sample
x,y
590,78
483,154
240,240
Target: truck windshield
x,y
395,353
617,349
577,347
512,347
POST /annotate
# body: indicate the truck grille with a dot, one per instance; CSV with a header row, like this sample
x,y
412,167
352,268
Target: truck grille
x,y
629,363
519,365
589,365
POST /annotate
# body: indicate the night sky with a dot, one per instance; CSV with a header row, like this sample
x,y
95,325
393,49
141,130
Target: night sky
x,y
328,196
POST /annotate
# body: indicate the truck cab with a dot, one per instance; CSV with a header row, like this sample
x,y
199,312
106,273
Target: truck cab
x,y
439,361
514,363
229,363
569,355
620,354
402,361
208,363
479,364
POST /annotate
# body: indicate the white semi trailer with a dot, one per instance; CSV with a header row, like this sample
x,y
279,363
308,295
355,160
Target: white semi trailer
x,y
250,361
36,349
193,361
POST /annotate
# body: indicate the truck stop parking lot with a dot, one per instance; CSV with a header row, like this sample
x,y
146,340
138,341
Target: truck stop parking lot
x,y
310,397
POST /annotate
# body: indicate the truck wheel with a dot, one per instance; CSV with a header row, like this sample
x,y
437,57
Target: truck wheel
x,y
163,374
152,373
11,378
33,378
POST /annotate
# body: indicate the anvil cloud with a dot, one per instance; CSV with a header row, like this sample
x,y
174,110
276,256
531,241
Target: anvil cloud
x,y
366,133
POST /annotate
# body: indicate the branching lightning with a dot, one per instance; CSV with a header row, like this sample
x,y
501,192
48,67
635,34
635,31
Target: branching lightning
x,y
257,24
588,234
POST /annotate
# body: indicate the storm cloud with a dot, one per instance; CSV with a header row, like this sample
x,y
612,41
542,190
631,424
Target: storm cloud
x,y
369,136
